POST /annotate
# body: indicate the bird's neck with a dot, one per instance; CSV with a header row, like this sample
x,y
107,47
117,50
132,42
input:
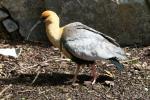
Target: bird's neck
x,y
54,33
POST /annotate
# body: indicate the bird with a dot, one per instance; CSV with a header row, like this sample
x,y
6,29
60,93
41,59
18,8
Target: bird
x,y
82,44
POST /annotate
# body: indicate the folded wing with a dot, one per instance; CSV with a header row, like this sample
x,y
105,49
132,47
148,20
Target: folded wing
x,y
88,44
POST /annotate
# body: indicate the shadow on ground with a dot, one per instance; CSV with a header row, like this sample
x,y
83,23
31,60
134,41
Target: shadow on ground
x,y
53,79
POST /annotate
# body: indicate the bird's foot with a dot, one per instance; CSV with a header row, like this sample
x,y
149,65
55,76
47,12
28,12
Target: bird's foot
x,y
94,76
92,82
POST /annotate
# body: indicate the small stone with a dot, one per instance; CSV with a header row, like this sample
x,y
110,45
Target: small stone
x,y
67,72
10,25
146,89
75,85
144,64
111,83
69,99
56,49
128,54
129,74
136,72
23,98
139,77
3,15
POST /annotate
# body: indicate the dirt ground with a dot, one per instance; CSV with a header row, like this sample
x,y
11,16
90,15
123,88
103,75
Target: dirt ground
x,y
41,73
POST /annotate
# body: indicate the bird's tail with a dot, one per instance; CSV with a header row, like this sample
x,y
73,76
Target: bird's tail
x,y
118,65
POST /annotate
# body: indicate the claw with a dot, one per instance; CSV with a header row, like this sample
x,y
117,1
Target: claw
x,y
93,82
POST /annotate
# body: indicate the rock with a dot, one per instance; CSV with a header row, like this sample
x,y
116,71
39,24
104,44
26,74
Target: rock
x,y
125,20
3,15
26,13
3,32
10,25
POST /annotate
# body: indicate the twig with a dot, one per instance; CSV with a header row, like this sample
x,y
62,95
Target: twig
x,y
60,59
35,77
130,60
108,89
6,88
38,72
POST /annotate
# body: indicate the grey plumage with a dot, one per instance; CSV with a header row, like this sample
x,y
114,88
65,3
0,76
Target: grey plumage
x,y
88,44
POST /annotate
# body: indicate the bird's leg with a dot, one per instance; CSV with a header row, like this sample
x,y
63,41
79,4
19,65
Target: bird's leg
x,y
74,79
76,73
93,73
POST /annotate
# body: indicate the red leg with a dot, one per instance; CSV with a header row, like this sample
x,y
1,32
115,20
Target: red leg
x,y
93,73
76,73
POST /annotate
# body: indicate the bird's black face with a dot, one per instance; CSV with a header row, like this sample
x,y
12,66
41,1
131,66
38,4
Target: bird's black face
x,y
49,17
45,15
42,19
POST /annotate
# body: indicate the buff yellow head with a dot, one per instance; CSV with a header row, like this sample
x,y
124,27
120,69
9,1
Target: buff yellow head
x,y
50,16
53,29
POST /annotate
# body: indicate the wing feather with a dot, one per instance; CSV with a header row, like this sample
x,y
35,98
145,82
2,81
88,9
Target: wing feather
x,y
86,44
110,39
